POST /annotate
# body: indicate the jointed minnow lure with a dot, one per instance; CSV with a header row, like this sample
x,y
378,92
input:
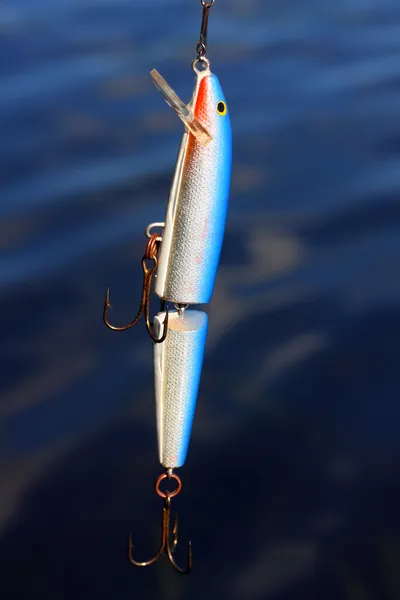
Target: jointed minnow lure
x,y
183,259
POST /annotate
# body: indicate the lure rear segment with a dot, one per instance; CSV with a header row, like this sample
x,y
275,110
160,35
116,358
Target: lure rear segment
x,y
177,366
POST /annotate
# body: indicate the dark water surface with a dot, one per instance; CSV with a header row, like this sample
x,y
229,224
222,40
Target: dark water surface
x,y
291,487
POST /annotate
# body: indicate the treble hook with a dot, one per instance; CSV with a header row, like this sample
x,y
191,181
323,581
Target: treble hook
x,y
166,545
148,274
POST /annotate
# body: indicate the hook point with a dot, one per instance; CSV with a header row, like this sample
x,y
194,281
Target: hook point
x,y
107,301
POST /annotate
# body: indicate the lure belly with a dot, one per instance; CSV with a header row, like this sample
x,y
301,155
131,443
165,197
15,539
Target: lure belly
x,y
197,206
177,368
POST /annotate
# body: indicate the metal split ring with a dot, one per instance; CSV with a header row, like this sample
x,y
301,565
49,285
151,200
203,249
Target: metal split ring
x,y
207,4
168,494
152,247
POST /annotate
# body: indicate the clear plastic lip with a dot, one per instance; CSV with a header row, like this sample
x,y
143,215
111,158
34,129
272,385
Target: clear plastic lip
x,y
181,109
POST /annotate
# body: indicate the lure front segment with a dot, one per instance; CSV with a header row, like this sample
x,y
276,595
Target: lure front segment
x,y
197,206
177,367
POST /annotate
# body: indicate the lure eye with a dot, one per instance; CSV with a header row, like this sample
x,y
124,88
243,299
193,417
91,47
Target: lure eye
x,y
221,108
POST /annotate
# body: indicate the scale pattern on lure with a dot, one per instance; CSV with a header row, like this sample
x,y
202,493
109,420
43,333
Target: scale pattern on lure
x,y
183,258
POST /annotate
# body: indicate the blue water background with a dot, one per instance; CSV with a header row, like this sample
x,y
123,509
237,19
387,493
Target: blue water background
x,y
291,489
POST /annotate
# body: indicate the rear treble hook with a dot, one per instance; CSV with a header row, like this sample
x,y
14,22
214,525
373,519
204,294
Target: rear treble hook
x,y
166,545
148,273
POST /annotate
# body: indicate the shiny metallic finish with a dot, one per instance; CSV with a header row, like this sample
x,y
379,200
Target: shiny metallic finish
x,y
196,212
177,366
150,227
203,60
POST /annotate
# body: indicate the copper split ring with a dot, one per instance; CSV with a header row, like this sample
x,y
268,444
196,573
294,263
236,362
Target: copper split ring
x,y
172,494
152,247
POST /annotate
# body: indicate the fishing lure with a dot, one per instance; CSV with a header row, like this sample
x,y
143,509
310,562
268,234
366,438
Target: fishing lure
x,y
182,257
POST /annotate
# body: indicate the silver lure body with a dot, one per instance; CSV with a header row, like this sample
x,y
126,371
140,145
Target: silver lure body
x,y
177,368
